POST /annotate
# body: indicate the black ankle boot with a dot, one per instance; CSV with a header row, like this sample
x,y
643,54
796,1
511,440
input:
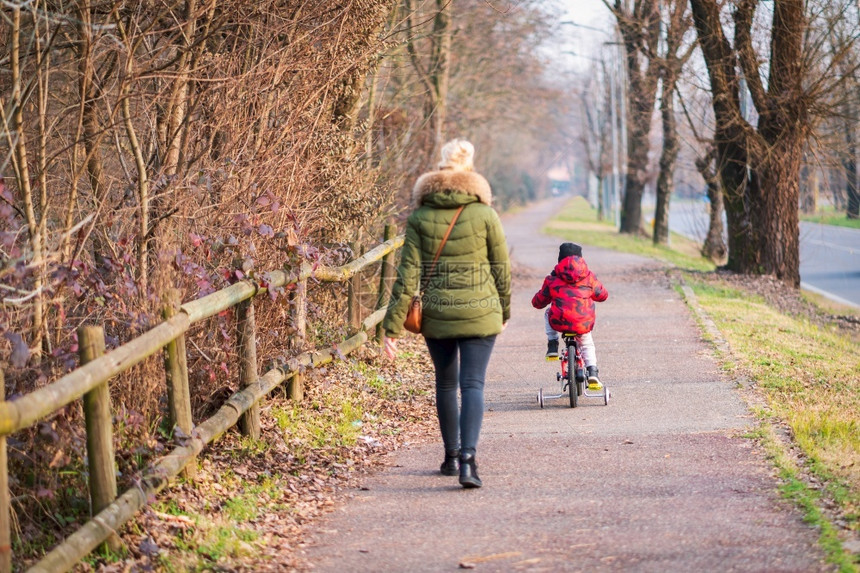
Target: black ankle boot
x,y
451,465
469,471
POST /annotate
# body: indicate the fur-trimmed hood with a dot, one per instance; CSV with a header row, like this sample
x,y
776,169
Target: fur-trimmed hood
x,y
451,181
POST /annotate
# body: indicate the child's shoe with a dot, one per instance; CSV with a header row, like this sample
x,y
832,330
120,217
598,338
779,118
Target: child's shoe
x,y
593,381
551,349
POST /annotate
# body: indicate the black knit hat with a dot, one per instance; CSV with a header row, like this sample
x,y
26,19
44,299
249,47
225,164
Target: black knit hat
x,y
569,250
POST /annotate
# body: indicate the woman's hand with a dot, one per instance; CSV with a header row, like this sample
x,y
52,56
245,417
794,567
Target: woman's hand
x,y
504,326
390,347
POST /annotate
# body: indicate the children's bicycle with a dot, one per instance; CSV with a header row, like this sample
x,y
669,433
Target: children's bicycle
x,y
572,375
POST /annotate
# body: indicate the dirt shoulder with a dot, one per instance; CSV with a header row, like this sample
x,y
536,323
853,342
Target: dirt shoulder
x,y
814,308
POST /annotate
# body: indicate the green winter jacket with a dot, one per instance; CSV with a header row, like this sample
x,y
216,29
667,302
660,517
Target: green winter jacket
x,y
469,293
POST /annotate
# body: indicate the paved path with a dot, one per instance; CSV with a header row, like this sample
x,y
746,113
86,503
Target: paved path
x,y
659,480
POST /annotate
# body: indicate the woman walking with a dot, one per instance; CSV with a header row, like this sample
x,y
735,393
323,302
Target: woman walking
x,y
466,295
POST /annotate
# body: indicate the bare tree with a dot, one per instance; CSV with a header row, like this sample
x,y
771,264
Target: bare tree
x,y
676,52
639,24
595,131
852,187
714,246
432,61
170,129
759,166
841,20
499,95
18,138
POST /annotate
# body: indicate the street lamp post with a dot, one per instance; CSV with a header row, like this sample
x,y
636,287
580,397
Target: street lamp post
x,y
614,119
619,167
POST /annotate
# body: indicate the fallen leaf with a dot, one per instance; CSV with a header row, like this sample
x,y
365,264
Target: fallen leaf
x,y
180,519
59,460
20,350
148,547
493,557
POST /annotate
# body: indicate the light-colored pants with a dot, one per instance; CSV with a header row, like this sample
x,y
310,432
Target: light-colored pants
x,y
586,343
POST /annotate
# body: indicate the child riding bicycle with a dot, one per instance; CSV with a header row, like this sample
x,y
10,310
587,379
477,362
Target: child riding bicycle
x,y
571,290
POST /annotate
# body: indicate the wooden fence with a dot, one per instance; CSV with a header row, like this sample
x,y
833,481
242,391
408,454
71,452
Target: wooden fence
x,y
90,381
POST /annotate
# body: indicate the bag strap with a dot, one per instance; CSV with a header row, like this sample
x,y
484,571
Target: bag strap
x,y
442,245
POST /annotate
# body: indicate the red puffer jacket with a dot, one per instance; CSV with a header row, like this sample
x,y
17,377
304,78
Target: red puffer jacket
x,y
572,289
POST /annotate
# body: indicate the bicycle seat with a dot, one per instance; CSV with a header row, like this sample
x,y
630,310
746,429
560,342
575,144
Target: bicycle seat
x,y
569,334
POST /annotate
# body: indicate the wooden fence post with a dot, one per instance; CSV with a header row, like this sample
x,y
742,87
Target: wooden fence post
x,y
100,454
246,341
354,294
300,322
5,509
386,271
176,368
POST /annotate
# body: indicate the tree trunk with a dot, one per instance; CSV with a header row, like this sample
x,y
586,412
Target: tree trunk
x,y
776,214
714,246
738,184
435,74
807,203
666,179
143,194
670,66
639,28
441,70
783,125
21,159
836,183
813,193
43,69
638,145
634,186
759,169
176,116
850,165
601,204
92,132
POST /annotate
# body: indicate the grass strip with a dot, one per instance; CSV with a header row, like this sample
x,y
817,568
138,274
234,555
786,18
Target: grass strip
x,y
578,222
808,499
828,215
811,379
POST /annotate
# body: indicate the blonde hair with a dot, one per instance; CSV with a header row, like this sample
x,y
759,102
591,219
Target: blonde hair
x,y
457,154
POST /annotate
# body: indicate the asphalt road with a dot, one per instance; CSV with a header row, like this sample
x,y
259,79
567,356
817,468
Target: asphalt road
x,y
830,261
829,256
661,479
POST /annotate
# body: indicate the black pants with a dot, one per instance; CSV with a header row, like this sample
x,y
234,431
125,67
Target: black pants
x,y
460,426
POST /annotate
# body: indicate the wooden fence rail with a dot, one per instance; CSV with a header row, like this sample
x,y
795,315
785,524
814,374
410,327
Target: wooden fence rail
x,y
91,381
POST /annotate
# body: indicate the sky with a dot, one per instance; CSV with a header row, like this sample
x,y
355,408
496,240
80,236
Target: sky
x,y
580,38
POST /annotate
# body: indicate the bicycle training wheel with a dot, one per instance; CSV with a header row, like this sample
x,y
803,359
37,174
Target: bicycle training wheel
x,y
540,397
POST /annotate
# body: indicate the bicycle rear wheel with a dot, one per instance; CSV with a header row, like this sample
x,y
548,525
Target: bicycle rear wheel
x,y
571,375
